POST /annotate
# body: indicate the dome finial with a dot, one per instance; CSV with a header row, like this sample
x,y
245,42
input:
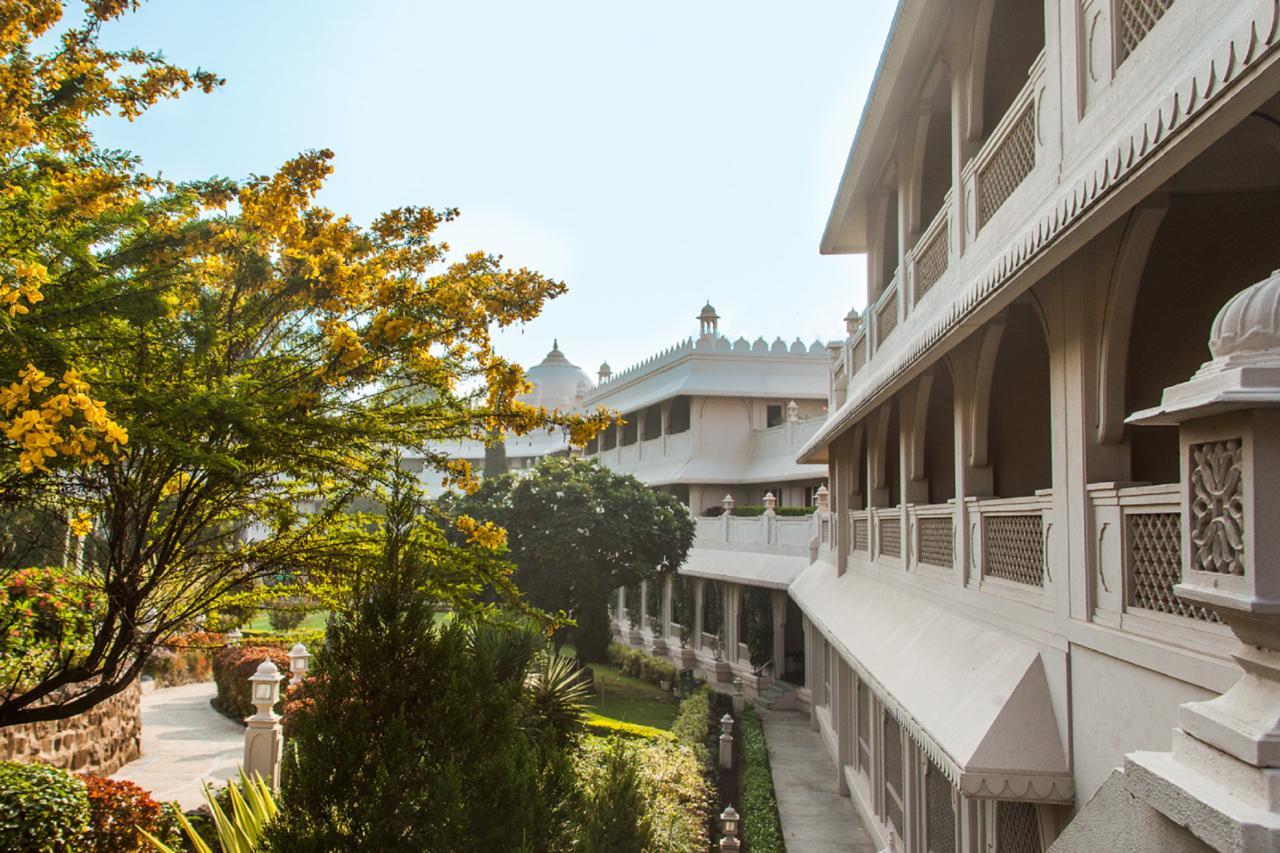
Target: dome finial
x,y
708,321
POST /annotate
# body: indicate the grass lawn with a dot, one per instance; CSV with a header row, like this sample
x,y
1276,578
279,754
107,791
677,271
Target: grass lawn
x,y
261,621
621,697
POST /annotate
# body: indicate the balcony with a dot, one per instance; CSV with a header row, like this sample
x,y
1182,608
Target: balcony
x,y
771,534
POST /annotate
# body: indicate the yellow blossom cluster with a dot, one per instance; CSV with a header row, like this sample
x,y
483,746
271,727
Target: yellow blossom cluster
x,y
70,423
28,278
458,472
81,524
486,534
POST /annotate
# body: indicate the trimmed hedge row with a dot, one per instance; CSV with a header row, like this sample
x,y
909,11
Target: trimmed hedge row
x,y
752,511
232,667
761,828
646,667
605,726
692,726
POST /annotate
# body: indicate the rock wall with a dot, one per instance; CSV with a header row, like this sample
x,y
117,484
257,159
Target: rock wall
x,y
99,741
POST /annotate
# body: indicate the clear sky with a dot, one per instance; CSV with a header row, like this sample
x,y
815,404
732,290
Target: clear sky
x,y
652,155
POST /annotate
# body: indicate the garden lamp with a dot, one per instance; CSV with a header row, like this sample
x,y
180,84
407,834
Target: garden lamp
x,y
299,659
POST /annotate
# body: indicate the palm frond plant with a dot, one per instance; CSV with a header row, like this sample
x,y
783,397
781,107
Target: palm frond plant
x,y
558,694
241,831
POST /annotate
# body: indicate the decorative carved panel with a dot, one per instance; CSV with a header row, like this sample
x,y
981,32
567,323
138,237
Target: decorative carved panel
x,y
1009,165
931,262
1217,507
1137,17
861,538
891,536
1154,554
940,816
1013,548
1017,828
937,545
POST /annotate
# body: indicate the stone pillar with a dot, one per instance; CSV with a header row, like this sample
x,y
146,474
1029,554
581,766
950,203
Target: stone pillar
x,y
1222,778
263,737
698,585
778,602
668,591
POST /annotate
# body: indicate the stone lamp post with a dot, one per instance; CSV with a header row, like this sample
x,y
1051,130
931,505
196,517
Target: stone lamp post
x,y
729,826
299,662
263,737
1222,778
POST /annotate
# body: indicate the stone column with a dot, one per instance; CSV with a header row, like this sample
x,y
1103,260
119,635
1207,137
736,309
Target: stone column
x,y
778,600
1222,778
697,613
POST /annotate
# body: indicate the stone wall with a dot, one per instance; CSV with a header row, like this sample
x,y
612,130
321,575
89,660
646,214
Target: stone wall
x,y
99,741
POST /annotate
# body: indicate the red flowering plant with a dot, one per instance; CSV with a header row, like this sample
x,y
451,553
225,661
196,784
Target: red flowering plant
x,y
117,810
47,622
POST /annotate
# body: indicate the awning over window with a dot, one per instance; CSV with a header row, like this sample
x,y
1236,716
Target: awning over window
x,y
750,568
975,699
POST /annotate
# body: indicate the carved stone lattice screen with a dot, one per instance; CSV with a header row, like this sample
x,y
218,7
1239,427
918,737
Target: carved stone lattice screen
x,y
1154,541
937,546
1008,166
1217,507
887,317
1017,828
1013,548
865,706
861,534
940,815
860,355
1137,17
931,263
891,536
893,780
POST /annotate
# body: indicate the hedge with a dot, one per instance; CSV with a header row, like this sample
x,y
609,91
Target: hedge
x,y
692,726
605,726
232,667
761,829
751,511
646,667
42,809
118,810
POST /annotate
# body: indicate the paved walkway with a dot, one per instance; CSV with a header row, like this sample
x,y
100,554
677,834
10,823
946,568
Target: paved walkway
x,y
815,818
184,742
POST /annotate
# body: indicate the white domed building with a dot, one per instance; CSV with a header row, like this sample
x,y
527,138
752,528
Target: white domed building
x,y
557,383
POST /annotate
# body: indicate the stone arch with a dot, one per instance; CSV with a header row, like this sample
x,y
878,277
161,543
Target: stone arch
x,y
1019,419
1007,37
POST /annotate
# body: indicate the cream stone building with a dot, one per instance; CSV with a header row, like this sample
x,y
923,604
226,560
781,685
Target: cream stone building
x,y
1049,548
718,423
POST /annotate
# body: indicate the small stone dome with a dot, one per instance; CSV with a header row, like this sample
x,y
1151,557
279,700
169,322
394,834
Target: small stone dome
x,y
1250,321
557,384
708,313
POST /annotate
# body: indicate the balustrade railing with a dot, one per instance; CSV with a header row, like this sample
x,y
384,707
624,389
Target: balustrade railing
x,y
931,256
1008,156
770,533
934,530
1136,18
1137,533
888,525
886,312
860,522
1012,533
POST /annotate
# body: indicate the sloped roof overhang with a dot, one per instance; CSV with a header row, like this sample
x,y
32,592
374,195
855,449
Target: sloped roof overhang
x,y
976,700
750,568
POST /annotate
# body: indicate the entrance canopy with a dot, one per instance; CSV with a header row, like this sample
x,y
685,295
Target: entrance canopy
x,y
975,699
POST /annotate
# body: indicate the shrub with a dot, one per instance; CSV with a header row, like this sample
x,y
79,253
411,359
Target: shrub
x,y
761,828
312,638
46,620
637,664
117,811
232,667
614,816
42,809
676,797
692,726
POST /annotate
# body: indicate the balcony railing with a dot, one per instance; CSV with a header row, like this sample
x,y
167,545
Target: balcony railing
x,y
860,522
1138,536
933,526
886,312
930,258
1009,155
1136,19
772,534
1012,533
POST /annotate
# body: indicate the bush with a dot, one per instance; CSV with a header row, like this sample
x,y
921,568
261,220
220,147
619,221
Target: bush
x,y
637,664
614,816
232,667
117,811
312,638
286,620
761,828
752,511
42,809
676,797
692,726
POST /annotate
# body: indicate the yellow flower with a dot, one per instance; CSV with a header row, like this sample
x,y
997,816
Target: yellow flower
x,y
486,534
81,524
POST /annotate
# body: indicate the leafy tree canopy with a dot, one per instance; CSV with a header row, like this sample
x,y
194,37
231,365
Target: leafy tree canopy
x,y
202,375
577,531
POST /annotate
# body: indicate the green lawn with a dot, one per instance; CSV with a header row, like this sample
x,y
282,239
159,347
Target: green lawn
x,y
261,622
621,697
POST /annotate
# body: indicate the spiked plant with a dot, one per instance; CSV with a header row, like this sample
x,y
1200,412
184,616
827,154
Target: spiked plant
x,y
557,694
241,831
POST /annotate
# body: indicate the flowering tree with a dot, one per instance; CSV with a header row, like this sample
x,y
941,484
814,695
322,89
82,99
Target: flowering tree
x,y
204,374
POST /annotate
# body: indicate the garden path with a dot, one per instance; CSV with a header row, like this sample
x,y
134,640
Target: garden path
x,y
815,817
184,743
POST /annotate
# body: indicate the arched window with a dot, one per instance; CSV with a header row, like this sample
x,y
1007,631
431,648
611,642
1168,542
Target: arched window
x,y
940,437
1019,422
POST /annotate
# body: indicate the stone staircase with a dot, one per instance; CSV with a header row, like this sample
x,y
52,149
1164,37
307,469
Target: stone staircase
x,y
778,695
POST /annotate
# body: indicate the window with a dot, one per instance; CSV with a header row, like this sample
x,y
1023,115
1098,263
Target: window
x,y
679,417
1017,828
940,817
773,415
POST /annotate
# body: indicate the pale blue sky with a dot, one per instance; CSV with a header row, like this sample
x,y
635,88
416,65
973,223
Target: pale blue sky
x,y
651,155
